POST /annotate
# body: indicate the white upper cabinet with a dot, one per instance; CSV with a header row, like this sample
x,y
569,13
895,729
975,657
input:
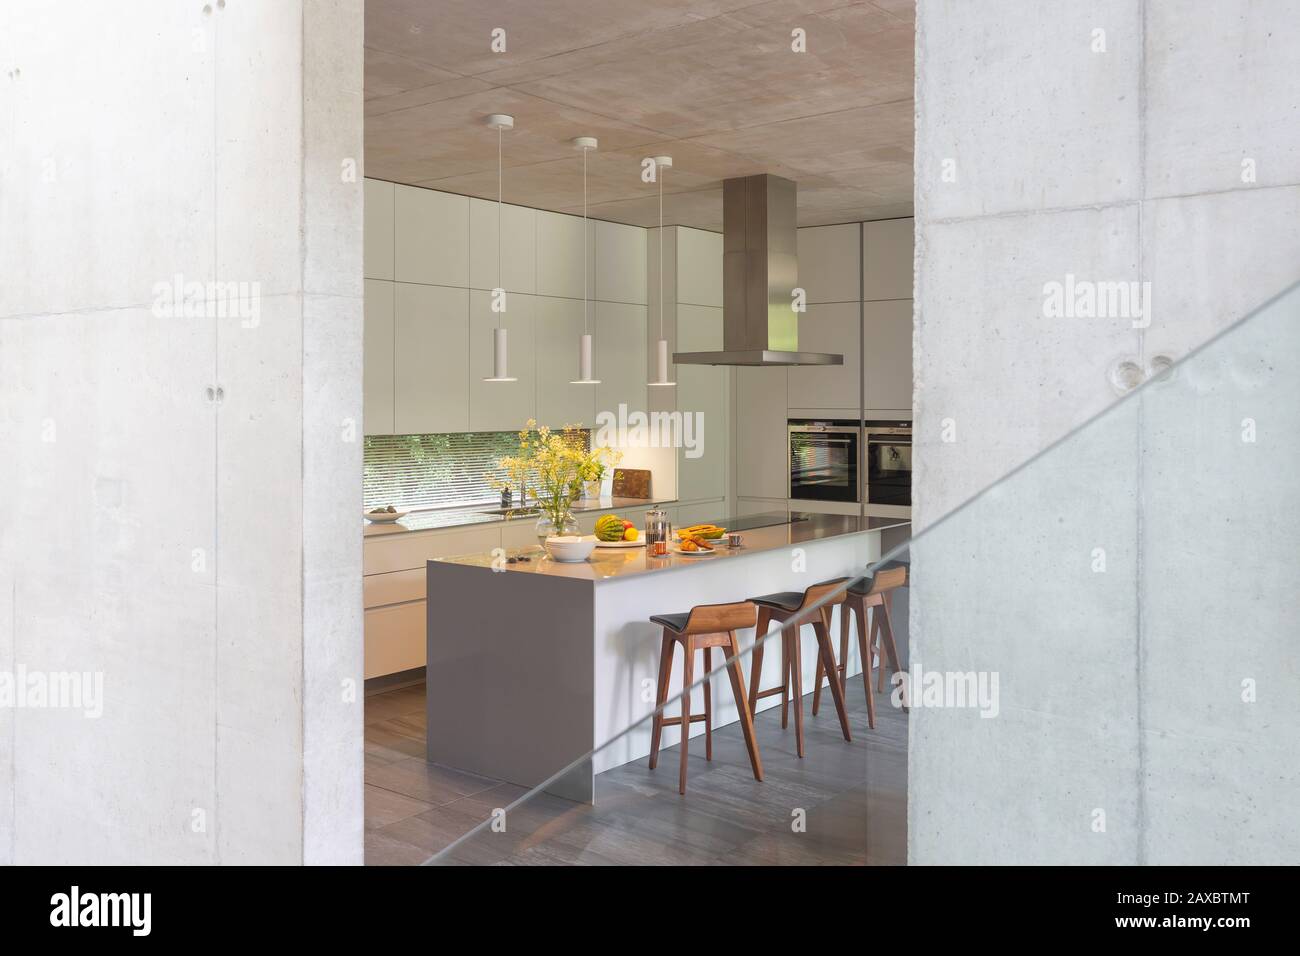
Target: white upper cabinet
x,y
829,263
829,327
518,265
378,238
558,324
619,355
559,255
887,260
431,237
430,343
502,406
887,356
706,390
377,360
699,267
620,263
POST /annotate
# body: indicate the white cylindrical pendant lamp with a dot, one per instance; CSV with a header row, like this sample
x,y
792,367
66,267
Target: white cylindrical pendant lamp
x,y
500,358
661,365
584,363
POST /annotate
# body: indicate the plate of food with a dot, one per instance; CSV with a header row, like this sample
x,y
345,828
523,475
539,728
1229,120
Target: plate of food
x,y
692,547
615,532
384,515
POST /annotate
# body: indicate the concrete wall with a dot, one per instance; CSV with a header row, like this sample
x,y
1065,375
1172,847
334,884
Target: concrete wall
x,y
1161,149
181,486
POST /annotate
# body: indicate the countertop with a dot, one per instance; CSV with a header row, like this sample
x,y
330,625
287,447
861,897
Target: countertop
x,y
605,563
467,515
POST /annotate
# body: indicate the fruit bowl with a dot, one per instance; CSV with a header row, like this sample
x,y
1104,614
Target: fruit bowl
x,y
570,548
384,517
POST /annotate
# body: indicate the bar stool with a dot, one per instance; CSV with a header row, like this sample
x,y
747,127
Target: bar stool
x,y
787,606
704,627
871,591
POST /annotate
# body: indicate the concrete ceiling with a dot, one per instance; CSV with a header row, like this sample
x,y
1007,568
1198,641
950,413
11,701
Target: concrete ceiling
x,y
713,83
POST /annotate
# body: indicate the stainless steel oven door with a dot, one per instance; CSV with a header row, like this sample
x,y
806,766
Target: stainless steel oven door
x,y
823,460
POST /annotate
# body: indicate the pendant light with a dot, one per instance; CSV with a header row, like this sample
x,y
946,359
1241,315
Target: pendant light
x,y
500,363
661,356
585,377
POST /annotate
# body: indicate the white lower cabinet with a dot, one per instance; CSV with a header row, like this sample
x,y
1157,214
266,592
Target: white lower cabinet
x,y
519,534
394,591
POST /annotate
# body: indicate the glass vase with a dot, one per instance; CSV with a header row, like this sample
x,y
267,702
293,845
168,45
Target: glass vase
x,y
547,527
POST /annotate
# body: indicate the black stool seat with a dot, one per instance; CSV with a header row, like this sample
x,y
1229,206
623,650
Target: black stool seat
x,y
675,622
785,600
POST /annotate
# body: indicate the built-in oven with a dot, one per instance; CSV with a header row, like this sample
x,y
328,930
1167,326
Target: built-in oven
x,y
888,462
823,458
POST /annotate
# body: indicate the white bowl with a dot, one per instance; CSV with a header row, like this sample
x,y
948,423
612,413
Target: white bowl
x,y
384,517
570,548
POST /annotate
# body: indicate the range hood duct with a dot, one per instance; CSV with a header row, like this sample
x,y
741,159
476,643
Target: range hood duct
x,y
760,270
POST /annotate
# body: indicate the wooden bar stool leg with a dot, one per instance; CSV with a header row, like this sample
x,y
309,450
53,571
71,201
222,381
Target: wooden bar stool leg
x,y
877,632
708,705
756,658
887,633
785,679
828,659
795,682
864,649
842,666
688,670
661,695
746,716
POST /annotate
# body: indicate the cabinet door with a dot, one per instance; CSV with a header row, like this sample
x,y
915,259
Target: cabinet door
x,y
829,263
703,394
559,324
377,361
559,255
431,343
619,355
502,406
761,459
699,267
887,347
620,263
518,254
377,240
431,237
395,638
829,328
887,259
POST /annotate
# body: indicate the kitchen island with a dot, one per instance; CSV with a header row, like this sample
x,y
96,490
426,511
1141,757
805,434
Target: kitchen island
x,y
533,664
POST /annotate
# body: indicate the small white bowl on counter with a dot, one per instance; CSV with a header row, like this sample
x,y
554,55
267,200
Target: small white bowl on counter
x,y
570,548
384,517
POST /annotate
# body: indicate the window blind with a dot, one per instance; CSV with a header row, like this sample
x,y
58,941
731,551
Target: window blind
x,y
435,471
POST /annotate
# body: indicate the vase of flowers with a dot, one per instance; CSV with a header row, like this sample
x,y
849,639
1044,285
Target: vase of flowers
x,y
552,466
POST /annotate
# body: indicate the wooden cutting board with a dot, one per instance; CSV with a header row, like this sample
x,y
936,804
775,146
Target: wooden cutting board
x,y
631,483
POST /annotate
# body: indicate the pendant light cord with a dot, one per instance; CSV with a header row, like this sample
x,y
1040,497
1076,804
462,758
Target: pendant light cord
x,y
585,329
500,237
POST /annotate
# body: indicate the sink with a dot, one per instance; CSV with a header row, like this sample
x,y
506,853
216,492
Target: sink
x,y
528,512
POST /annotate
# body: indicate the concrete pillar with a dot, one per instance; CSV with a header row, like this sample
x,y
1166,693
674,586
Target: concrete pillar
x,y
1118,141
180,413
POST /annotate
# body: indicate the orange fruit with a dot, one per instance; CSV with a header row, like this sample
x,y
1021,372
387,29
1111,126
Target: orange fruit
x,y
629,534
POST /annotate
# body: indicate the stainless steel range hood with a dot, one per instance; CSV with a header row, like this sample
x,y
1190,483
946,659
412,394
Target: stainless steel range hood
x,y
760,263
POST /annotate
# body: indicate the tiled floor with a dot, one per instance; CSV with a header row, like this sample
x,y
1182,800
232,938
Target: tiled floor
x,y
843,803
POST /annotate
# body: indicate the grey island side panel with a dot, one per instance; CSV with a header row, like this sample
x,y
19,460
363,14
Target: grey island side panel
x,y
509,676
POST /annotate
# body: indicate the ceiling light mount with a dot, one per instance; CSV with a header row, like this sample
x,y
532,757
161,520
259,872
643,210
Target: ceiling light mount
x,y
500,121
585,142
